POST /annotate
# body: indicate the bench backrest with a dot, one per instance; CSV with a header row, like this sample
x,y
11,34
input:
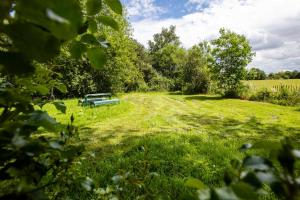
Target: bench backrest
x,y
97,95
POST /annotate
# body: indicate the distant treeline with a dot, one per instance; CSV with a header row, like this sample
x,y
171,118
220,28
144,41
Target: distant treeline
x,y
258,74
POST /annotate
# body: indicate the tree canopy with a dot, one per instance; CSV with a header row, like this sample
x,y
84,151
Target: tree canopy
x,y
231,54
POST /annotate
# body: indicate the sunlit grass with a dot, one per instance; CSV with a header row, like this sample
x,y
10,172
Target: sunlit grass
x,y
173,137
269,84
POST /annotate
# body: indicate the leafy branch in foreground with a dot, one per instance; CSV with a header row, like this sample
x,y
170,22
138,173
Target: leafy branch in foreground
x,y
256,176
31,34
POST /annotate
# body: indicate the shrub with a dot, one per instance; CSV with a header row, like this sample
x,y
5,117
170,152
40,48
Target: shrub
x,y
282,96
262,95
159,83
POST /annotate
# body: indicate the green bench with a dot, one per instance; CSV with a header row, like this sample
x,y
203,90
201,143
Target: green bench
x,y
98,100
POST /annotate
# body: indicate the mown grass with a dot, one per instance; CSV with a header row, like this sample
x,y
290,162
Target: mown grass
x,y
160,139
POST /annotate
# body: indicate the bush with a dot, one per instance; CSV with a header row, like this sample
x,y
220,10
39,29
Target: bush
x,y
286,97
239,91
262,95
282,96
159,83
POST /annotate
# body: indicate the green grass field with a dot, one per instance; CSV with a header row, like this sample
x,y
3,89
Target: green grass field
x,y
161,139
293,84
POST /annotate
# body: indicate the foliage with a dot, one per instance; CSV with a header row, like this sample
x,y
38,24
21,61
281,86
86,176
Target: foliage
x,y
76,75
167,56
166,37
285,75
231,54
281,96
196,75
255,175
256,74
32,34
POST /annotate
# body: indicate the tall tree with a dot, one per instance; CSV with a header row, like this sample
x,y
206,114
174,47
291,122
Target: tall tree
x,y
196,75
231,54
167,55
166,37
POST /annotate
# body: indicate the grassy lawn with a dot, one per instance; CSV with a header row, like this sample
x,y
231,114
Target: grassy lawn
x,y
161,139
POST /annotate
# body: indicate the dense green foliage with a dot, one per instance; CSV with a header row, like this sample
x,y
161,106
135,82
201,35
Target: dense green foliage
x,y
196,74
256,74
282,92
32,164
285,75
231,54
282,96
168,56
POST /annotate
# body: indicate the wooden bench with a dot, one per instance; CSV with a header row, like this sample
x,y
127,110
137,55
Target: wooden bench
x,y
97,100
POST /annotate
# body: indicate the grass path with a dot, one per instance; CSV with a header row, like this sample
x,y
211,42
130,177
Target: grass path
x,y
174,136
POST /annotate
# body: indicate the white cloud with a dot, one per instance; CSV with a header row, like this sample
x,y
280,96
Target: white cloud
x,y
272,26
199,4
143,8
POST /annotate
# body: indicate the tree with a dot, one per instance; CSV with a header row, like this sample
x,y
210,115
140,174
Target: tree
x,y
231,54
167,55
166,37
196,75
256,74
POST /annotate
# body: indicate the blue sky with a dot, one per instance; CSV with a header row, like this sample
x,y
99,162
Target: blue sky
x,y
170,8
272,26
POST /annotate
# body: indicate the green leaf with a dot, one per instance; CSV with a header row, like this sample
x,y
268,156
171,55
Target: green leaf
x,y
93,27
41,89
195,183
15,63
60,106
41,118
115,5
89,39
77,49
244,191
256,163
252,179
61,18
109,21
93,7
61,87
97,57
33,42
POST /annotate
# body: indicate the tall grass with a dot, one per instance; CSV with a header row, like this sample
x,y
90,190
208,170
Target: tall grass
x,y
257,85
282,92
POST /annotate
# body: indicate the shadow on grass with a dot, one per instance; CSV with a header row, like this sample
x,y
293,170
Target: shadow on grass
x,y
158,163
203,98
176,93
250,129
